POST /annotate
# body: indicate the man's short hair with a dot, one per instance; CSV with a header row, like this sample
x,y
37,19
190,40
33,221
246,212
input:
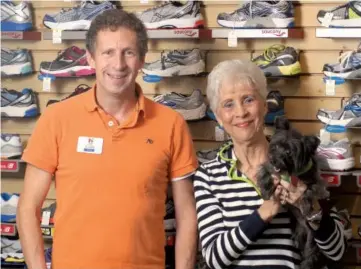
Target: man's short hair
x,y
113,20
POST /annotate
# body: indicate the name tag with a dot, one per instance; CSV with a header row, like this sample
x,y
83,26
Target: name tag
x,y
92,145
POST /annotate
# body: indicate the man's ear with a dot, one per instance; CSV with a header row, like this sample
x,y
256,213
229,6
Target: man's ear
x,y
90,59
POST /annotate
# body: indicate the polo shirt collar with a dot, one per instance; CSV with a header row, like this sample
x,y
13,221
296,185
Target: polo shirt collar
x,y
91,104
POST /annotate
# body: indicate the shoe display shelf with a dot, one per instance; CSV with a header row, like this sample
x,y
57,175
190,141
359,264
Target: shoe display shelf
x,y
11,166
21,35
338,32
58,36
10,230
335,178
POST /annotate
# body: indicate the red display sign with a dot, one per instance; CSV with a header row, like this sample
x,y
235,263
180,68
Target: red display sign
x,y
12,35
9,166
8,229
332,180
359,181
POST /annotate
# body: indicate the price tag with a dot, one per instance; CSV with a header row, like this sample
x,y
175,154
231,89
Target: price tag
x,y
57,36
332,180
8,229
45,219
330,87
327,19
46,84
232,39
325,136
219,133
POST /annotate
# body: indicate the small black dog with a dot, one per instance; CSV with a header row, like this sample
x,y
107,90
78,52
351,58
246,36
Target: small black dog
x,y
292,154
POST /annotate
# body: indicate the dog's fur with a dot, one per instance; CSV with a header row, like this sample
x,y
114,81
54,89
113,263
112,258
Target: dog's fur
x,y
290,152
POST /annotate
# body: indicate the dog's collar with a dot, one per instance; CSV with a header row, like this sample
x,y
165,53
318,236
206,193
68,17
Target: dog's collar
x,y
305,169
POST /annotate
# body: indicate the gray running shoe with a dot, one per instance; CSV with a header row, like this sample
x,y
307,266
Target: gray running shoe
x,y
348,67
336,155
173,15
10,246
191,107
15,17
348,116
278,61
207,155
177,63
18,104
260,14
11,146
347,15
78,17
15,62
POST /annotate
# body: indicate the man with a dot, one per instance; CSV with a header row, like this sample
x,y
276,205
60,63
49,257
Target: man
x,y
113,153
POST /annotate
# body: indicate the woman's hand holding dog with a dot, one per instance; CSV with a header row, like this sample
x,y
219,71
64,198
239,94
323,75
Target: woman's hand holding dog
x,y
291,193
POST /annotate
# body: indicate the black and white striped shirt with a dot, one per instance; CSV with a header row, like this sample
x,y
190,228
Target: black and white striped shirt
x,y
232,233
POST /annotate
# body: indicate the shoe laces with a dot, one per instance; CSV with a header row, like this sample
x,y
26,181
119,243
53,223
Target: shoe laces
x,y
271,52
346,57
158,6
81,5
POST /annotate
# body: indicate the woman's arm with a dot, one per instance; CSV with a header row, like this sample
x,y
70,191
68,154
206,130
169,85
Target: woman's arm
x,y
220,245
330,236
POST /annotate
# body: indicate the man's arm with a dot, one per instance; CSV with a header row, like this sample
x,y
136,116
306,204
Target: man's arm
x,y
186,223
36,186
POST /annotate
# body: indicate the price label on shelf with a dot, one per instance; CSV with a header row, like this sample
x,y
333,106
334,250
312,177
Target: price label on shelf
x,y
332,180
57,36
47,231
46,84
330,87
327,19
232,39
8,229
45,218
9,166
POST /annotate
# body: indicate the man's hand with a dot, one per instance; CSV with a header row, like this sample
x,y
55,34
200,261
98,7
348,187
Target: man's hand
x,y
186,222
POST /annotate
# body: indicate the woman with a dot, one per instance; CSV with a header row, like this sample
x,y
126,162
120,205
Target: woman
x,y
238,229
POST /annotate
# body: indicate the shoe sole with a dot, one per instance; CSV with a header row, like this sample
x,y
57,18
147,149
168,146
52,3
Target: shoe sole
x,y
10,151
72,25
75,71
347,75
259,22
279,71
354,122
193,114
179,70
180,23
12,26
16,69
343,23
338,165
22,112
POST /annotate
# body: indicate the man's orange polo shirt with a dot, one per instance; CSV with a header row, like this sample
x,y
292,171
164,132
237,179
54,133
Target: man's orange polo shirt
x,y
111,180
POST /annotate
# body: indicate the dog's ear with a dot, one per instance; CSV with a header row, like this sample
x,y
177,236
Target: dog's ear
x,y
311,143
282,123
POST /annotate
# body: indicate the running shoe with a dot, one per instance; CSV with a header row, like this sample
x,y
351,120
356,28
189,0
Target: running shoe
x,y
347,15
260,14
173,15
18,104
177,63
15,62
207,155
71,62
348,116
9,204
10,246
51,208
279,60
78,17
15,17
348,67
335,156
169,218
80,89
11,147
275,105
191,107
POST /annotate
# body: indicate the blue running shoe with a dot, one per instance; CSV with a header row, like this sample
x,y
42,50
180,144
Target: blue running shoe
x,y
260,14
348,67
18,104
347,117
15,62
78,17
15,17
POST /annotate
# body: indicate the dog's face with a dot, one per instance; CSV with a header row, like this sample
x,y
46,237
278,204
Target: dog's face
x,y
289,150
